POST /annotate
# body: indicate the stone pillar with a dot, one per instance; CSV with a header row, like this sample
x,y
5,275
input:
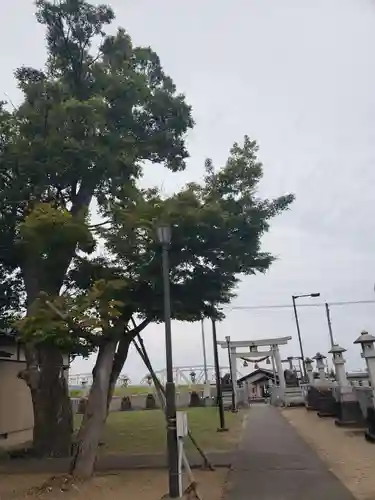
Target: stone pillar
x,y
273,366
290,361
309,369
279,368
339,363
319,358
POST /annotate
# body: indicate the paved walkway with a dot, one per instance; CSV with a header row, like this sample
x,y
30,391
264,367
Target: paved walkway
x,y
274,463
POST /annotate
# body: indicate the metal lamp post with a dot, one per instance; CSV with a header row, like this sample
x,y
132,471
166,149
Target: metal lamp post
x,y
219,394
294,298
164,237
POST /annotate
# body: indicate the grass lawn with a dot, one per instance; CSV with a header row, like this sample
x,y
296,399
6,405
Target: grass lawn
x,y
134,390
144,431
145,389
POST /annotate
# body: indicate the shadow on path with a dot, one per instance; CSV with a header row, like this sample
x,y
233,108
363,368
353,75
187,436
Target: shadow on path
x,y
274,463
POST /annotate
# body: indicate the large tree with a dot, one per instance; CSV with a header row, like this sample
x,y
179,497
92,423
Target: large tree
x,y
88,121
216,238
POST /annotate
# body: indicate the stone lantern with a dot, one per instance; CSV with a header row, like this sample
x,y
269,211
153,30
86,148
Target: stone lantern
x,y
319,358
309,370
339,362
368,352
290,361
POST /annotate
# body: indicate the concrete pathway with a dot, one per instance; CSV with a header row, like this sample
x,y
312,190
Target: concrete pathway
x,y
274,463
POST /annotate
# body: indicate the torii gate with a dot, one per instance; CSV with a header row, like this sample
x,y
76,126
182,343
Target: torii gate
x,y
273,352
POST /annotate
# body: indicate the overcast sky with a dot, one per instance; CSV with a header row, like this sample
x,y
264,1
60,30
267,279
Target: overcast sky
x,y
299,77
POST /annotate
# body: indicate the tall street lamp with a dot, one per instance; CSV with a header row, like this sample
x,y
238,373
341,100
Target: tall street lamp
x,y
294,298
164,237
219,393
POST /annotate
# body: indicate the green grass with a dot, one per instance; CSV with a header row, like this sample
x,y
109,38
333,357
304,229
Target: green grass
x,y
144,431
134,390
145,389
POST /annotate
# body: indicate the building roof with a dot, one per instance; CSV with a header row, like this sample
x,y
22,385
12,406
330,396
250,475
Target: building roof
x,y
260,371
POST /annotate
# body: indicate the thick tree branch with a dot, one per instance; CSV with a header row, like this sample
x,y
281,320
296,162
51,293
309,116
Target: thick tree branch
x,y
78,331
93,226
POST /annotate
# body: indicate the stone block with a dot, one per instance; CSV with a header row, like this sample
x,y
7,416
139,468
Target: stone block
x,y
150,402
370,432
349,414
126,404
195,400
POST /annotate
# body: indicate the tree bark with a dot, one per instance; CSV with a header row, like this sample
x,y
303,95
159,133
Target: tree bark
x,y
53,421
86,446
121,356
118,364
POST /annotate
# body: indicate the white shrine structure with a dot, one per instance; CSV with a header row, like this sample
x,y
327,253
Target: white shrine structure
x,y
262,349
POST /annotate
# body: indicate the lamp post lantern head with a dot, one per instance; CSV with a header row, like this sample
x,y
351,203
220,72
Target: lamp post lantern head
x,y
366,340
227,338
164,234
337,352
304,295
319,358
308,363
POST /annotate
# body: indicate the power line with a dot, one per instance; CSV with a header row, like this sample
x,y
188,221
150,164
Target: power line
x,y
288,306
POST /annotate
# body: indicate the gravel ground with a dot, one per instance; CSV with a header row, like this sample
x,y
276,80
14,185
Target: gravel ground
x,y
132,485
345,451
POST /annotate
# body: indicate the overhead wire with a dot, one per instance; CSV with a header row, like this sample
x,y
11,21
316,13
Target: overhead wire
x,y
289,306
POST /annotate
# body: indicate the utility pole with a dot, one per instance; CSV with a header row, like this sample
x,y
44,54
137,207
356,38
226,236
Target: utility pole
x,y
328,314
204,353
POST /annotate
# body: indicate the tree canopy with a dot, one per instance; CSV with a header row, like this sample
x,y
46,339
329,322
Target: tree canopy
x,y
86,124
216,237
89,121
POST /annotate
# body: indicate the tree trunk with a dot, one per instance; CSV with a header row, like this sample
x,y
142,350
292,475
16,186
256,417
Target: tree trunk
x,y
119,361
53,421
86,446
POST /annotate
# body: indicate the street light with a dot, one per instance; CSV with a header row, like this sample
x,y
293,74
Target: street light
x,y
219,393
294,298
164,237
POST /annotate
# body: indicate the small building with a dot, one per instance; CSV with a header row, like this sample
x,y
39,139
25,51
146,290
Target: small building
x,y
256,384
16,410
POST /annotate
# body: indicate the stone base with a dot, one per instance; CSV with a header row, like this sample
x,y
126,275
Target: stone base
x,y
370,433
349,414
352,424
326,414
369,437
321,400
